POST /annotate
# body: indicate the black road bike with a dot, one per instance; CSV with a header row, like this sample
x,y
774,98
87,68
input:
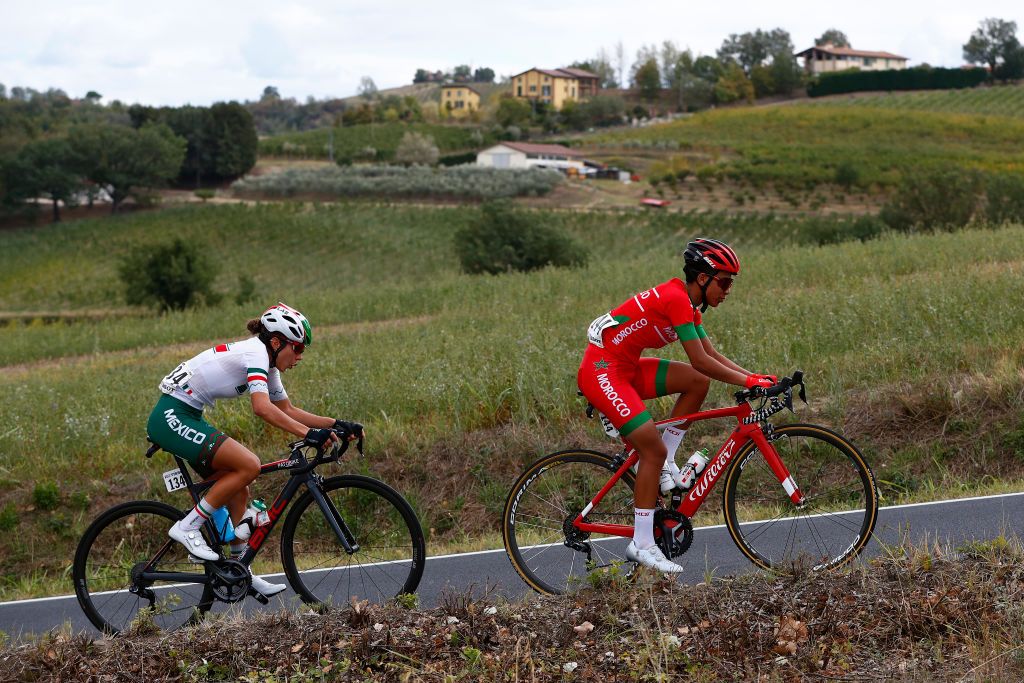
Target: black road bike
x,y
347,537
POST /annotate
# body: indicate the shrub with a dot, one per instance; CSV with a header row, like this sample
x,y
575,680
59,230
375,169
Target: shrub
x,y
205,194
417,149
46,495
944,199
1004,196
502,240
831,230
847,175
169,276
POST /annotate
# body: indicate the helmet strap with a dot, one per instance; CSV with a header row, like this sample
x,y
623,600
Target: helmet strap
x,y
265,337
704,294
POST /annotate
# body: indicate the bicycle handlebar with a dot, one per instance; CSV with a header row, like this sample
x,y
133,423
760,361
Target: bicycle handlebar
x,y
784,385
324,455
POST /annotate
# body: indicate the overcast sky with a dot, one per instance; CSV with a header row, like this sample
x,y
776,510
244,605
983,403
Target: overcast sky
x,y
202,52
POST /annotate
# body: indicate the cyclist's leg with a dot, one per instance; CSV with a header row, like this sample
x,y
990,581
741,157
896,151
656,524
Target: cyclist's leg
x,y
607,383
661,377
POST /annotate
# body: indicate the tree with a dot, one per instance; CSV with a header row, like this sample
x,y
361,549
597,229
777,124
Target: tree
x,y
620,62
647,80
512,112
235,141
367,88
462,73
991,43
44,168
601,67
421,76
270,93
122,159
483,75
708,68
170,276
1012,67
733,86
833,36
753,49
786,73
93,97
415,148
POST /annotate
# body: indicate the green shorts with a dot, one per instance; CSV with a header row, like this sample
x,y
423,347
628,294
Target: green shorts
x,y
180,429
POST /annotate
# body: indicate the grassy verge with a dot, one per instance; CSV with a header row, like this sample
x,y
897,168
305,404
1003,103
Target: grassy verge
x,y
917,613
911,346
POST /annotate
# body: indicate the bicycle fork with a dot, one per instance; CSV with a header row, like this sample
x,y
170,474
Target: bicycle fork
x,y
334,518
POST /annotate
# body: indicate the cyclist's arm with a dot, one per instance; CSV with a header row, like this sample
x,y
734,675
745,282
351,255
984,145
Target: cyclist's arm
x,y
709,365
300,415
272,414
711,351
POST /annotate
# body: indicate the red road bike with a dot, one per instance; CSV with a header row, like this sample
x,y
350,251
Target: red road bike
x,y
795,494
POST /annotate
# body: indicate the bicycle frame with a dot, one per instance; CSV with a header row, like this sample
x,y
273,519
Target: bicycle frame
x,y
747,429
302,474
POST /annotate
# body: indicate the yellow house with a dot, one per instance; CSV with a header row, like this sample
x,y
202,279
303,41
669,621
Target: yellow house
x,y
458,100
554,86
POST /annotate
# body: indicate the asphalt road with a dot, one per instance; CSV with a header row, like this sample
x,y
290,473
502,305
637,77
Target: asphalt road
x,y
952,522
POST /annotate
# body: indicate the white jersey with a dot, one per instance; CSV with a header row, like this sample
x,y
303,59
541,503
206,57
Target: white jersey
x,y
225,371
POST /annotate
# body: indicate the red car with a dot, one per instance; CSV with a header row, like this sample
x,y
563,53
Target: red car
x,y
655,203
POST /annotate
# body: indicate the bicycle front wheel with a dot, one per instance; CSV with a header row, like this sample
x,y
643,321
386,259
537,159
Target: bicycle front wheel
x,y
110,558
547,551
835,521
391,550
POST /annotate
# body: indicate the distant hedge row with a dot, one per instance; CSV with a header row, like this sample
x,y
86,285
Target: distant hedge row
x,y
470,182
896,79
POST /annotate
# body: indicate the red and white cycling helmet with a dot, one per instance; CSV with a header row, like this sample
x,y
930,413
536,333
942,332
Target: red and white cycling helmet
x,y
288,322
704,255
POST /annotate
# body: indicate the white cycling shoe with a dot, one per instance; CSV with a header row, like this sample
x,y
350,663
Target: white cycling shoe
x,y
194,541
652,557
265,587
670,480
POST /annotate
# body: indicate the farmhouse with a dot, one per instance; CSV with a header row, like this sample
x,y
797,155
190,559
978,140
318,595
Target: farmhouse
x,y
827,58
459,99
530,155
555,86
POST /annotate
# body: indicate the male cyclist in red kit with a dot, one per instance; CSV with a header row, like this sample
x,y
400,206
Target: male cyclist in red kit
x,y
615,378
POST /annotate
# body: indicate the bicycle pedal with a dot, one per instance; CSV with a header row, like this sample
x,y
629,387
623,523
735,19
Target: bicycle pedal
x,y
260,597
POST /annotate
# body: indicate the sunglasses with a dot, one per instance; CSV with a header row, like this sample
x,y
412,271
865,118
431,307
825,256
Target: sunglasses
x,y
298,347
724,283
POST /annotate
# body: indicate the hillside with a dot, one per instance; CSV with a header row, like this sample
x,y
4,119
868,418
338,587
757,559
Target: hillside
x,y
805,144
908,342
1002,100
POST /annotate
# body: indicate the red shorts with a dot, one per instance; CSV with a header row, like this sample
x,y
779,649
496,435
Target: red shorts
x,y
617,386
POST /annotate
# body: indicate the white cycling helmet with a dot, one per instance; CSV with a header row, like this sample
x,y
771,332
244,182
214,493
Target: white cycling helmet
x,y
289,322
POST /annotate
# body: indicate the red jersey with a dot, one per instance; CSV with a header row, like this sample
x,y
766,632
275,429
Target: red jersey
x,y
649,320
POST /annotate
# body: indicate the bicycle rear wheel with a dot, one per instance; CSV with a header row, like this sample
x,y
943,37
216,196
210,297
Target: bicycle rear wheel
x,y
829,529
112,552
391,553
537,522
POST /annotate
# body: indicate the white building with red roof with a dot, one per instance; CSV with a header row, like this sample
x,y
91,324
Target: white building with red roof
x,y
828,58
529,155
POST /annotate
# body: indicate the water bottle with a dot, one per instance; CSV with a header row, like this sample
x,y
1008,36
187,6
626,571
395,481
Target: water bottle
x,y
694,466
222,520
255,516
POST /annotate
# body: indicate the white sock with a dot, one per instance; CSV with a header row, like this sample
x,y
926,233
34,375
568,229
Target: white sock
x,y
643,528
237,548
195,519
672,437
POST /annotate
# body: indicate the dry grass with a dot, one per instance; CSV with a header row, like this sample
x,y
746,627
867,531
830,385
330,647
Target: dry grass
x,y
917,613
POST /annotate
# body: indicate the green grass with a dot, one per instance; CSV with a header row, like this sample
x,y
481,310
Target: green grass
x,y
460,379
801,146
350,141
1005,100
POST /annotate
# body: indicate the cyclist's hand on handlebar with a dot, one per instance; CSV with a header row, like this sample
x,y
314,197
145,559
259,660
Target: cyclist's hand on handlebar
x,y
348,430
319,438
762,381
